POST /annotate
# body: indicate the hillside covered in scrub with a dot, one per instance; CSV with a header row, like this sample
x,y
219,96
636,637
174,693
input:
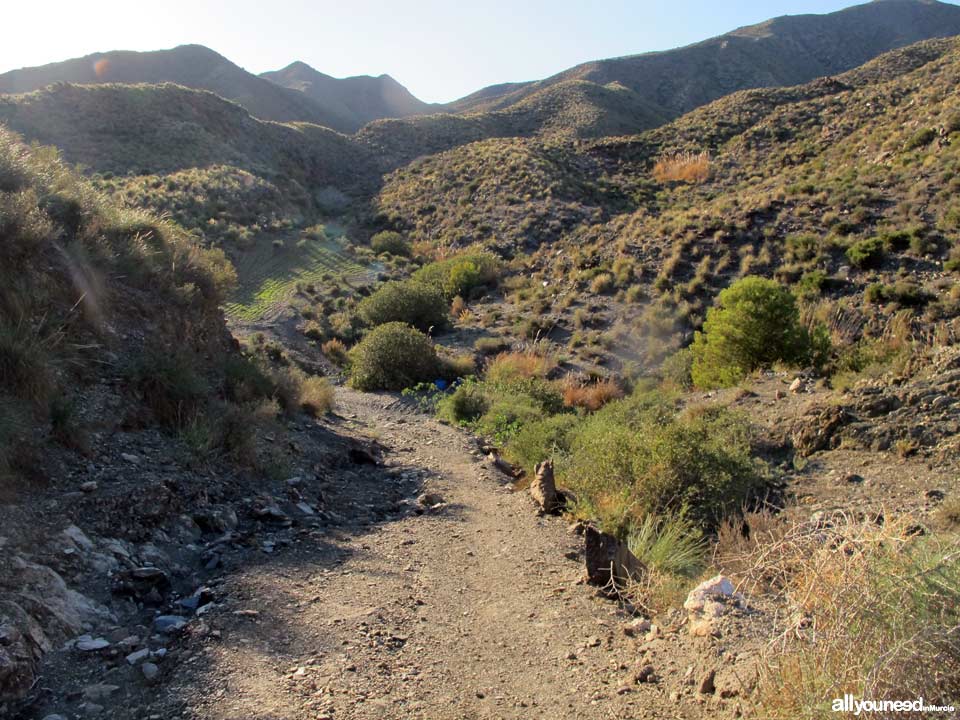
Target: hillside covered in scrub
x,y
295,94
631,392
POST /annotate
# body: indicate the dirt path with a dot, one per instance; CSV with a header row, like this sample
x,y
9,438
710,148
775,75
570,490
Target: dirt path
x,y
472,610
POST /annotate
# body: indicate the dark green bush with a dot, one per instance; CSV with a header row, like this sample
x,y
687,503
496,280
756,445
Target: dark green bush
x,y
921,138
393,356
245,381
802,247
754,323
903,293
25,364
389,241
811,285
466,404
410,302
867,253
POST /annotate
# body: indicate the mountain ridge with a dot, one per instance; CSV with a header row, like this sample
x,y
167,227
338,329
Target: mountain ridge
x,y
877,26
355,100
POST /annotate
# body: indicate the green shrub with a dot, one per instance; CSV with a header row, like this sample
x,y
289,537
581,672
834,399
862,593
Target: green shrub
x,y
460,275
388,241
921,138
637,457
811,284
906,294
802,247
669,544
867,253
25,369
413,303
393,356
547,439
676,369
464,405
754,323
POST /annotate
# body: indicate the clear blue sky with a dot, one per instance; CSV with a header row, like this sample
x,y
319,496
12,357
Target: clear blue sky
x,y
439,49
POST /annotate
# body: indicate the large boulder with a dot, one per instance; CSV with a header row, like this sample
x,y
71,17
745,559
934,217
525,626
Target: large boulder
x,y
39,613
610,564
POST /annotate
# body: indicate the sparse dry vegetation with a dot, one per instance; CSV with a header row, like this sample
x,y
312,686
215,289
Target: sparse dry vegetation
x,y
684,167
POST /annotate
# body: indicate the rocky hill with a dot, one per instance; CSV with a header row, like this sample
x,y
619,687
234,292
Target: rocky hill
x,y
192,66
832,163
631,94
783,51
355,101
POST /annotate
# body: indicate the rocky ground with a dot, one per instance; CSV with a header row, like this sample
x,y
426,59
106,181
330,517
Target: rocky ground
x,y
394,572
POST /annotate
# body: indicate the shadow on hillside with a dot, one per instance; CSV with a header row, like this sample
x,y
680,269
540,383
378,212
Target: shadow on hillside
x,y
283,586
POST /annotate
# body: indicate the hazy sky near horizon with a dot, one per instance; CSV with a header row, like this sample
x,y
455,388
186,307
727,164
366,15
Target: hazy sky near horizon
x,y
439,49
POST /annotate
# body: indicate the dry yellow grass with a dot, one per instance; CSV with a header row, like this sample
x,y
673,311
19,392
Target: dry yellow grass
x,y
685,167
592,397
518,365
869,608
316,396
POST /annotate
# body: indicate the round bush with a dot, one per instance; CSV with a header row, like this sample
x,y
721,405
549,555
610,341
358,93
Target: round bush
x,y
409,302
393,356
754,323
391,242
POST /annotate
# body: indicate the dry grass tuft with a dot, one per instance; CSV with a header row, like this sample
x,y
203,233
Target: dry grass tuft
x,y
871,608
335,351
317,396
591,397
509,366
685,167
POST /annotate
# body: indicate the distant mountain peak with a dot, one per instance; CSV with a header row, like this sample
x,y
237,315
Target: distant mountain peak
x,y
357,100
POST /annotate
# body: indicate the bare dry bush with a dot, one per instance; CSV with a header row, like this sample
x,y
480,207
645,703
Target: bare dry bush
x,y
592,396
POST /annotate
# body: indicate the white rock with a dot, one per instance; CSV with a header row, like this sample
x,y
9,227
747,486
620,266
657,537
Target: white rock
x,y
150,671
718,586
710,600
